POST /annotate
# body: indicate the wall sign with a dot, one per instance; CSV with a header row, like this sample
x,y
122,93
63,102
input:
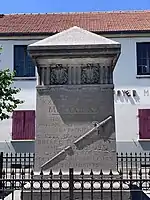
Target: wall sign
x,y
128,93
146,92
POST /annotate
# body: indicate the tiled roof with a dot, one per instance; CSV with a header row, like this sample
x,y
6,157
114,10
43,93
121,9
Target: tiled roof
x,y
92,21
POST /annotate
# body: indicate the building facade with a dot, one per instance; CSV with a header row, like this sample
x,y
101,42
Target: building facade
x,y
131,75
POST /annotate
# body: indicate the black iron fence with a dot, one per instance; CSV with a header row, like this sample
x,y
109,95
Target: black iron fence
x,y
125,162
131,178
72,185
133,162
16,162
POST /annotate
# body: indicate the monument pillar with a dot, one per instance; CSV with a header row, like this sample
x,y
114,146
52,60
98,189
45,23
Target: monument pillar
x,y
75,119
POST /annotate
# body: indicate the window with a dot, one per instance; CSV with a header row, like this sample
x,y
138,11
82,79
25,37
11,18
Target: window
x,y
144,124
143,58
23,125
23,64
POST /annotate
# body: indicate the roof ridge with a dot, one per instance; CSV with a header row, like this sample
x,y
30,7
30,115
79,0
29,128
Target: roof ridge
x,y
51,13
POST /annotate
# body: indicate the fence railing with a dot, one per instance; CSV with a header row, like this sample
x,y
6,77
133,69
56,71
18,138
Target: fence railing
x,y
133,162
125,162
16,173
72,185
16,162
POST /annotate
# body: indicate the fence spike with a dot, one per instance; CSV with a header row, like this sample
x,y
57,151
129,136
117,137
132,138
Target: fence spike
x,y
51,172
91,173
60,172
12,173
120,172
41,173
130,173
22,172
32,173
110,173
82,173
140,172
101,172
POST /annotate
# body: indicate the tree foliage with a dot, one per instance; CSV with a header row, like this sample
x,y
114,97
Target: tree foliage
x,y
8,101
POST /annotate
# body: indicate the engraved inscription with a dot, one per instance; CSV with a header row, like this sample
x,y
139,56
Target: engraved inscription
x,y
56,129
90,74
73,110
80,143
59,75
75,164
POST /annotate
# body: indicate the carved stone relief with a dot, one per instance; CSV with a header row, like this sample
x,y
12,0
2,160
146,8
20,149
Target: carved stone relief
x,y
90,74
59,75
67,75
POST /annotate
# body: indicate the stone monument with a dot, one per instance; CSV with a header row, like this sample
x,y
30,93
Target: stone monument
x,y
75,123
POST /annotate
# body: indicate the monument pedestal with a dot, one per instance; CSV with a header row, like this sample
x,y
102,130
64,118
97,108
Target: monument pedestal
x,y
74,95
75,119
79,186
66,134
76,186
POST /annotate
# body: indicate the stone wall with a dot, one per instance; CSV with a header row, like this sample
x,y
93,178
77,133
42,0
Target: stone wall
x,y
64,113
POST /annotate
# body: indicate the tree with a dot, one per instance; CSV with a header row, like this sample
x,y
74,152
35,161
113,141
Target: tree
x,y
8,101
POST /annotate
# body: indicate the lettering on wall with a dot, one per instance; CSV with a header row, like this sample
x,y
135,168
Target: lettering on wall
x,y
73,110
146,92
127,93
130,93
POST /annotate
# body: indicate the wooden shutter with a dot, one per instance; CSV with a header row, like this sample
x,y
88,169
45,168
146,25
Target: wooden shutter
x,y
17,125
29,129
144,123
23,125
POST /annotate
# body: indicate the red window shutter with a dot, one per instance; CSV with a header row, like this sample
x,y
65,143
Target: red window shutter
x,y
29,129
144,123
23,125
17,125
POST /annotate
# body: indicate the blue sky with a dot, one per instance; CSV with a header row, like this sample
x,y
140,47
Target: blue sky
x,y
38,6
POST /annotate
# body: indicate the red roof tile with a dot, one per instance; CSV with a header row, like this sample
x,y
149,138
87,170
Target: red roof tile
x,y
92,21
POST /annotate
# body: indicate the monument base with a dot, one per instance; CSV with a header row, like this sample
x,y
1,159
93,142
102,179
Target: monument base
x,y
85,192
87,195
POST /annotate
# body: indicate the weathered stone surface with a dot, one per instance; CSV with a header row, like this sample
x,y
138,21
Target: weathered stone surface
x,y
106,195
65,113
